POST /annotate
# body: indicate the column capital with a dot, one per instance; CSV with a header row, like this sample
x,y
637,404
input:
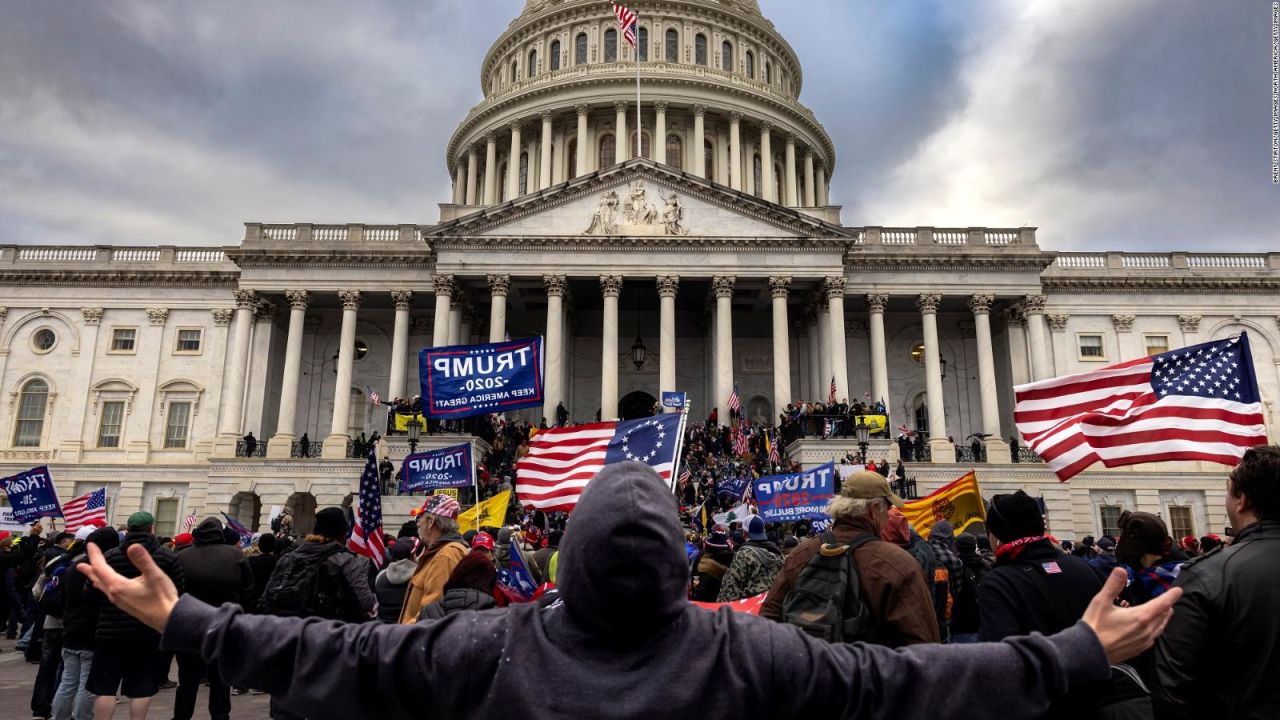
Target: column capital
x,y
582,108
611,285
222,316
791,139
350,299
766,127
620,106
442,284
491,137
1123,323
668,285
928,303
547,116
515,125
735,117
402,299
981,304
808,154
557,285
157,316
722,285
298,299
1034,304
499,284
1191,323
660,106
699,110
876,302
245,299
92,315
1058,321
264,312
780,286
834,287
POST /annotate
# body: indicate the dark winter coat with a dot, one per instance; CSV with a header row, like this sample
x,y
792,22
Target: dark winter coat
x,y
114,625
215,572
456,600
390,586
622,642
79,615
708,569
261,565
350,575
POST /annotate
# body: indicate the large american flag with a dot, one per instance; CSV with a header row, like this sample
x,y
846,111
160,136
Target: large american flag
x,y
88,509
775,457
1196,403
629,21
366,536
561,461
734,403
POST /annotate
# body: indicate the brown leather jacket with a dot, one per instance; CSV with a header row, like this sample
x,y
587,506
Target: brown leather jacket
x,y
892,586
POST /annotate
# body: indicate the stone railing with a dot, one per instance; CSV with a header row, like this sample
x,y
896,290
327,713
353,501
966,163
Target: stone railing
x,y
946,237
1166,261
305,233
103,255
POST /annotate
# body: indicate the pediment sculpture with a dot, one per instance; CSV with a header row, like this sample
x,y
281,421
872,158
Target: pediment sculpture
x,y
636,215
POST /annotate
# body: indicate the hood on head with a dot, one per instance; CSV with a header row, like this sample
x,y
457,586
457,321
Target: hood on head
x,y
942,531
622,569
896,530
208,532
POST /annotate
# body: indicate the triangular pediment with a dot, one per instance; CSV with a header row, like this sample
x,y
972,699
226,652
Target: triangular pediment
x,y
639,198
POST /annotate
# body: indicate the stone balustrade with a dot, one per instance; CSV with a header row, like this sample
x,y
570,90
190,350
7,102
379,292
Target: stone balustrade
x,y
260,233
16,256
954,237
1079,261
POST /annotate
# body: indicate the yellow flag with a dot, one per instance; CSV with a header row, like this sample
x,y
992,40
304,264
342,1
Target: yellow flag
x,y
403,422
959,503
489,513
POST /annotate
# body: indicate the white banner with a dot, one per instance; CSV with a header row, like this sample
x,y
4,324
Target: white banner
x,y
8,524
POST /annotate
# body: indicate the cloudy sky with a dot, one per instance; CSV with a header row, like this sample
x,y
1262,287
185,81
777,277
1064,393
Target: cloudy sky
x,y
1139,125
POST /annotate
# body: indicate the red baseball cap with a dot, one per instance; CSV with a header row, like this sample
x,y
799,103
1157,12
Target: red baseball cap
x,y
482,540
4,535
183,540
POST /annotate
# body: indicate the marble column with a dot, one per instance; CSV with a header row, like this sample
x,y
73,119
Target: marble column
x,y
443,288
1037,337
699,141
834,287
997,448
611,287
668,285
403,302
281,445
335,446
735,150
815,357
233,393
823,199
491,170
879,359
473,172
660,132
792,199
513,163
544,167
459,183
825,373
553,365
810,195
779,288
767,189
621,140
584,149
499,287
723,288
940,448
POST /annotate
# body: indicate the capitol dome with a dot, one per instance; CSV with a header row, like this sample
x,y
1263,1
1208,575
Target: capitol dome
x,y
720,92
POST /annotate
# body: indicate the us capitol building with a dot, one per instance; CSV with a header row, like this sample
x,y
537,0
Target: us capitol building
x,y
718,250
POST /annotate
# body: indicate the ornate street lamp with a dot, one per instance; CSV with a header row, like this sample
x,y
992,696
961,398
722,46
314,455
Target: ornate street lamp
x,y
415,432
638,352
863,433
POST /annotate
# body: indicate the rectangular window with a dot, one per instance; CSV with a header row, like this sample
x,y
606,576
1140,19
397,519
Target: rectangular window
x,y
1156,344
1110,518
189,341
109,424
1091,347
177,426
1180,523
166,516
124,340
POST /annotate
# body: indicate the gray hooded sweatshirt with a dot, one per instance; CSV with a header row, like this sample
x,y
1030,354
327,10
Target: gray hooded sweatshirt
x,y
623,642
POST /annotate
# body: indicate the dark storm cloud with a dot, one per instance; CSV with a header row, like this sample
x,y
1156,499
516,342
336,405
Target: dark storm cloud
x,y
1124,126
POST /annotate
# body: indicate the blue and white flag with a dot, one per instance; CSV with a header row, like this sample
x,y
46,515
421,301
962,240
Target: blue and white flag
x,y
466,380
734,487
435,469
246,535
796,496
32,495
517,579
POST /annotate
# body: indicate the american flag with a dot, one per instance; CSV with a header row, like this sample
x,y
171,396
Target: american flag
x,y
561,461
735,404
88,509
189,522
629,21
1195,403
366,536
685,476
740,443
775,457
831,393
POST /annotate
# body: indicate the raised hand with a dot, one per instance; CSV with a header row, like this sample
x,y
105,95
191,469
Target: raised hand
x,y
150,597
1124,631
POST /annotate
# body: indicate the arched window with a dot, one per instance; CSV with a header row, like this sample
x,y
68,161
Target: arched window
x,y
700,49
33,401
522,188
726,56
758,175
608,151
709,161
502,182
580,49
533,63
675,152
751,65
673,46
768,72
555,55
572,170
643,42
611,45
645,150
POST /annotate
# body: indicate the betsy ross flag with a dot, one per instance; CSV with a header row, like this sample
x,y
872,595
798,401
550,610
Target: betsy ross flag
x,y
629,21
831,392
561,461
88,509
366,536
1196,403
735,404
246,535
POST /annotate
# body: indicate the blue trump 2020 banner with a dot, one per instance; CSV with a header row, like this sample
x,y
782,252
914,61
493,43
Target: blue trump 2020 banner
x,y
796,496
435,469
465,380
32,495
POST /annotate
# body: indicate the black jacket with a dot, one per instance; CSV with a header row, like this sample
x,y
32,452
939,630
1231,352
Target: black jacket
x,y
1218,656
216,572
114,625
262,565
79,615
390,587
622,642
455,601
353,575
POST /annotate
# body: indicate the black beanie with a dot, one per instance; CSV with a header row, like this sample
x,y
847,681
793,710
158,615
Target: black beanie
x,y
408,530
267,543
331,522
105,538
1011,517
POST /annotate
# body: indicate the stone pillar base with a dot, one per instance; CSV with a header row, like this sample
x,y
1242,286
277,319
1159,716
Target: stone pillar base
x,y
997,451
335,447
941,451
224,446
280,447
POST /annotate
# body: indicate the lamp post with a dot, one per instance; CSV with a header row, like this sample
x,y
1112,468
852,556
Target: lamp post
x,y
638,353
863,433
415,432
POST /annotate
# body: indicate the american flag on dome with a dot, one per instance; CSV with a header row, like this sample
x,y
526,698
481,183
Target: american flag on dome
x,y
561,461
734,403
629,21
366,536
88,509
1196,403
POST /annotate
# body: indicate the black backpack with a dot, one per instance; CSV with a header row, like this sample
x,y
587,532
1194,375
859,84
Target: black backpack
x,y
303,585
826,601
